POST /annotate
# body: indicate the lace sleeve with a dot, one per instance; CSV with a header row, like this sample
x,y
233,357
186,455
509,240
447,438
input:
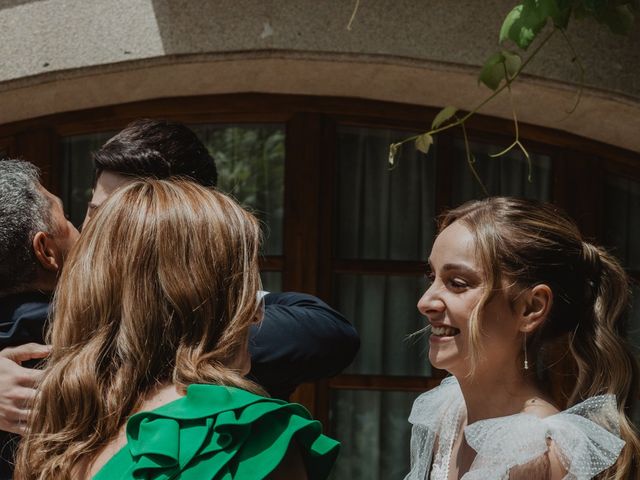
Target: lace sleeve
x,y
585,437
422,441
432,412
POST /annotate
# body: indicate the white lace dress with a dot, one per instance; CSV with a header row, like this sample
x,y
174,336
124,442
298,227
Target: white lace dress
x,y
586,437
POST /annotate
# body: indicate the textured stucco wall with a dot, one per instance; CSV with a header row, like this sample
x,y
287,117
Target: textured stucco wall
x,y
43,36
59,55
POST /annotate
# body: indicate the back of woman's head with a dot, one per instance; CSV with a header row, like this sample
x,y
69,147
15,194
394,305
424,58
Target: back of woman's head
x,y
522,243
161,288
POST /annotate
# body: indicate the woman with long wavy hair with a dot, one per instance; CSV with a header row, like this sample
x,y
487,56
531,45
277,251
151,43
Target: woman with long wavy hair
x,y
528,318
149,351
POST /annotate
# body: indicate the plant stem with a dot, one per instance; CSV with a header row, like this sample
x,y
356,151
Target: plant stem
x,y
353,15
576,59
497,92
470,160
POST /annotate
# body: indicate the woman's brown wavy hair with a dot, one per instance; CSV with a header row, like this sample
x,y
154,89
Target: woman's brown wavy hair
x,y
161,288
581,349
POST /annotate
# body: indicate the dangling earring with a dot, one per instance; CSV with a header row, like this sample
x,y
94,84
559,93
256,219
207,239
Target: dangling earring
x,y
526,362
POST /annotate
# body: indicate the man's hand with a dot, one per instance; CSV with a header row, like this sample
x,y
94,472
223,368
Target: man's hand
x,y
17,385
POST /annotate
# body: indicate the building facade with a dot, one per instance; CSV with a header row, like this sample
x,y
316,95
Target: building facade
x,y
299,111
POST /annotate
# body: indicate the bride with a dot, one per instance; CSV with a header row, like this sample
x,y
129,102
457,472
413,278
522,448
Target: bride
x,y
527,317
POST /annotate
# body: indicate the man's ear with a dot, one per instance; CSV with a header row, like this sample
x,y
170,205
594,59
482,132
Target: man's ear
x,y
535,305
45,251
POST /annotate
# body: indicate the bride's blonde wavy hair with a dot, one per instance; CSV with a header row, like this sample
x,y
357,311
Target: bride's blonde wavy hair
x,y
161,288
581,348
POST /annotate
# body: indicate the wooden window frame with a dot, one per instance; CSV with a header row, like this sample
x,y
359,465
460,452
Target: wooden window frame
x,y
7,144
308,262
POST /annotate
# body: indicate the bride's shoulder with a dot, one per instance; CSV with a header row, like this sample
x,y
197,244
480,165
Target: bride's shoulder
x,y
583,440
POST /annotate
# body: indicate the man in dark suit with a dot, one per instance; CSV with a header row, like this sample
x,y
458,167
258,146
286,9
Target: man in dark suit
x,y
301,338
35,237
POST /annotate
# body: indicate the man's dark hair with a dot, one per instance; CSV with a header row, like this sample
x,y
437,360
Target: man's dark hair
x,y
159,149
24,211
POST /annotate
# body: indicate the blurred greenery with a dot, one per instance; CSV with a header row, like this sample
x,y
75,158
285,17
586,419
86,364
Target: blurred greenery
x,y
249,158
250,161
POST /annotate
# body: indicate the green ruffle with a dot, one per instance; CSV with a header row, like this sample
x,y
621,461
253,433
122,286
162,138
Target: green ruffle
x,y
219,433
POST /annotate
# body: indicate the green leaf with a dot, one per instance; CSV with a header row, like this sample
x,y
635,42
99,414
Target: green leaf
x,y
443,115
524,22
393,150
509,23
492,72
512,62
423,142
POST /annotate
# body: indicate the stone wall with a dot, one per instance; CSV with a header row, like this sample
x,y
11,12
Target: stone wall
x,y
62,55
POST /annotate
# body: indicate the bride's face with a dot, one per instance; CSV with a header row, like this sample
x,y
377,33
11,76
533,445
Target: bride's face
x,y
457,285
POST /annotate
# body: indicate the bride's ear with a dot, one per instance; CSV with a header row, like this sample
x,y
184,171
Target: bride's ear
x,y
534,306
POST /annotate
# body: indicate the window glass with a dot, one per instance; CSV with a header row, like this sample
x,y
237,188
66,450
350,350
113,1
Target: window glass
x,y
383,310
249,158
622,219
374,431
621,233
76,179
634,316
505,175
271,281
382,213
250,161
634,334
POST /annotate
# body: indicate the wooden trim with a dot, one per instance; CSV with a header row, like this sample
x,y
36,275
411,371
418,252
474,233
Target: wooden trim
x,y
7,145
301,205
280,108
326,193
311,122
503,138
301,210
39,147
444,173
116,124
622,169
272,263
305,395
380,267
387,123
384,383
322,402
582,191
560,172
327,208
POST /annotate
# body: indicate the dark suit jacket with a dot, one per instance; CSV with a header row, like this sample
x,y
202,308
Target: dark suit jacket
x,y
23,319
301,339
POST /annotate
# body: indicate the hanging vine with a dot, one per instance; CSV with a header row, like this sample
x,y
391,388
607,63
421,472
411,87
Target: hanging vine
x,y
522,27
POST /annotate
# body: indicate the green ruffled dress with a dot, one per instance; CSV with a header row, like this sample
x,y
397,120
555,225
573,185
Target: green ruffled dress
x,y
219,433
